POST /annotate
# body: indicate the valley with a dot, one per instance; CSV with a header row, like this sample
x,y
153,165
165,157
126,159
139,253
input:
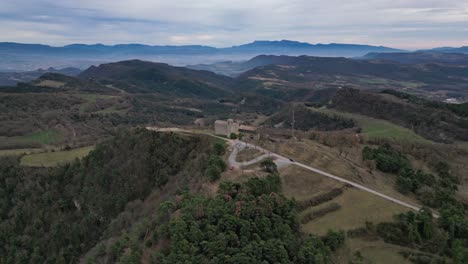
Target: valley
x,y
358,159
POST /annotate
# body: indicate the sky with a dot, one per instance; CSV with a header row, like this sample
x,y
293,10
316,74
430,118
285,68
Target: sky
x,y
408,24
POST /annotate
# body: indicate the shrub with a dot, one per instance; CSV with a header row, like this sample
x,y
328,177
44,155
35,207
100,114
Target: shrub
x,y
269,166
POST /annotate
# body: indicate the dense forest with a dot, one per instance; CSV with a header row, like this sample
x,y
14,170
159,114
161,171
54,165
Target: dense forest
x,y
55,215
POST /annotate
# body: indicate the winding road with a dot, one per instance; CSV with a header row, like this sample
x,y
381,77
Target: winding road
x,y
281,161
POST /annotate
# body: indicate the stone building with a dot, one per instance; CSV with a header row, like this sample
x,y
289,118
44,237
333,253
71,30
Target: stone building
x,y
225,128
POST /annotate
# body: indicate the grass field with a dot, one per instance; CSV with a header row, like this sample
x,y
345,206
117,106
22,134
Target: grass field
x,y
357,207
90,99
302,184
37,139
111,110
381,81
46,137
14,152
377,128
373,251
50,159
248,154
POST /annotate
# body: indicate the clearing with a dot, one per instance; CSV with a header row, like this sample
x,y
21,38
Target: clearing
x,y
357,208
248,154
372,250
37,139
377,128
51,159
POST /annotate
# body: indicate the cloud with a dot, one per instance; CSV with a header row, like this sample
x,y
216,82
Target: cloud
x,y
398,23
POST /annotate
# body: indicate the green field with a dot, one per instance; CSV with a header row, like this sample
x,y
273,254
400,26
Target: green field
x,y
381,81
37,139
50,159
378,128
46,137
373,251
15,152
111,110
357,207
373,81
90,99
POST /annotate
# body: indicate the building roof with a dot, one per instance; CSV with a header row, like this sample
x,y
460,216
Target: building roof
x,y
247,128
221,122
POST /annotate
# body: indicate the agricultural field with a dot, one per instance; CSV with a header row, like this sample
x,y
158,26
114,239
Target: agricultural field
x,y
301,184
381,81
378,128
40,138
51,159
372,251
92,102
356,208
16,152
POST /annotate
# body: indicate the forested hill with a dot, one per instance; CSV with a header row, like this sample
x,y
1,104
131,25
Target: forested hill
x,y
147,181
431,121
56,215
421,57
144,76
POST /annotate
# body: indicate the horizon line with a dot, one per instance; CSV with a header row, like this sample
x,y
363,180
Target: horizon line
x,y
219,47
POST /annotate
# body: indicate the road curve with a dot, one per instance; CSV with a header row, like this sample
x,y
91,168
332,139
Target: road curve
x,y
323,173
238,145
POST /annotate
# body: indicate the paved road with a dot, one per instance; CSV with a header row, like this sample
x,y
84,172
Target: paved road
x,y
238,145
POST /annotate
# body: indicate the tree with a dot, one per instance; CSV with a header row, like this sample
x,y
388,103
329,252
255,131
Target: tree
x,y
213,173
219,148
459,252
269,166
334,239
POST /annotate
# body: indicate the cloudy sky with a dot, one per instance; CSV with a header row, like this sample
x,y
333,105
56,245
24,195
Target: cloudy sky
x,y
410,24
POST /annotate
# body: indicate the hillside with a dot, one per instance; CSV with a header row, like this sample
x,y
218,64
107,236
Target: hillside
x,y
12,78
307,120
433,123
143,77
463,49
63,212
134,199
420,57
233,69
153,197
297,77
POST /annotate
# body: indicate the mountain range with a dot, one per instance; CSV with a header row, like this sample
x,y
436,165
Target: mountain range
x,y
27,57
284,46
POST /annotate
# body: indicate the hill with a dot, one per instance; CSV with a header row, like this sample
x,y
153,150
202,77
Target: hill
x,y
295,78
76,204
141,76
12,78
434,123
153,197
234,69
420,57
463,49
